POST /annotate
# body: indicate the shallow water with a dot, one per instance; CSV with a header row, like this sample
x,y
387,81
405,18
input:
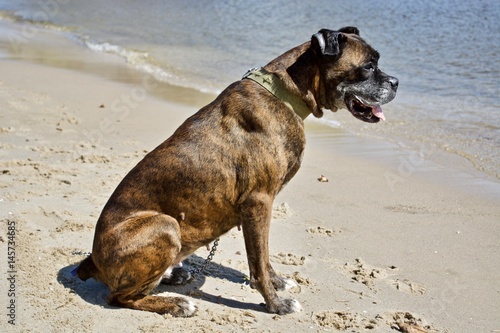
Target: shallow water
x,y
444,53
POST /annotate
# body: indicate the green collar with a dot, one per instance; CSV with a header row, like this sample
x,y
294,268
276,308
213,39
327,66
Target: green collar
x,y
274,85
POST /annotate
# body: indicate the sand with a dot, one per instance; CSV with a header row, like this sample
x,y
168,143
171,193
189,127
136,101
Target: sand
x,y
386,241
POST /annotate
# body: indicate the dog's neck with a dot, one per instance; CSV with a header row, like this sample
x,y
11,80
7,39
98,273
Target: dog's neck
x,y
275,86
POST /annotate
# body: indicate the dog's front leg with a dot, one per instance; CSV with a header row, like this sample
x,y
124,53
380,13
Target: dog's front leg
x,y
256,222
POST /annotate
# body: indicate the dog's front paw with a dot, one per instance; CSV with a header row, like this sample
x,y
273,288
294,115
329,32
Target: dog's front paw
x,y
287,306
178,276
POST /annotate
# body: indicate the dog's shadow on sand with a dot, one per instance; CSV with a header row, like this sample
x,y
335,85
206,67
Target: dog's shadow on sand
x,y
95,292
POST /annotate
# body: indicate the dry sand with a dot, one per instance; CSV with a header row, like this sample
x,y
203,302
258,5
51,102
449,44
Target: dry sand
x,y
391,242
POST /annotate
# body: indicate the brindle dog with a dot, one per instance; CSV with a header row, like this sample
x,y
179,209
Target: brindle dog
x,y
223,167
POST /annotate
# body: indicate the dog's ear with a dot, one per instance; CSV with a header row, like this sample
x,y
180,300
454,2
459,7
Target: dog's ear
x,y
349,30
328,42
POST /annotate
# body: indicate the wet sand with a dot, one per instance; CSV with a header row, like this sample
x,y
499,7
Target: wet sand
x,y
390,242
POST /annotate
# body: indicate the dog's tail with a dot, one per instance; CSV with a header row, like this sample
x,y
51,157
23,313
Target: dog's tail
x,y
87,269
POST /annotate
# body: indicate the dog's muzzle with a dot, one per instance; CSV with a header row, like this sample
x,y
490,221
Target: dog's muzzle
x,y
371,112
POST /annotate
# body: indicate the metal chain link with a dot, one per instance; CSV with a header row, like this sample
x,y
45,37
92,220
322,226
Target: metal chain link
x,y
209,258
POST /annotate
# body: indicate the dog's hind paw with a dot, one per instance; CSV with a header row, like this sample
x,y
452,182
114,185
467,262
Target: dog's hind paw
x,y
178,276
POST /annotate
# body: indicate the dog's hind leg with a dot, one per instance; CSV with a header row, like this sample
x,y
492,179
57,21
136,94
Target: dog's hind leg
x,y
136,255
256,223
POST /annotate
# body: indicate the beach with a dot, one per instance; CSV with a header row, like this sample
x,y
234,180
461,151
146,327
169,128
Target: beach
x,y
392,227
390,242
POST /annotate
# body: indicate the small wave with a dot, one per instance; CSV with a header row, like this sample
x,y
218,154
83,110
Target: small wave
x,y
143,62
10,16
43,22
139,60
131,56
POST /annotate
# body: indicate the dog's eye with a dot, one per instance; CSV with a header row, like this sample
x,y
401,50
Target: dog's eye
x,y
369,66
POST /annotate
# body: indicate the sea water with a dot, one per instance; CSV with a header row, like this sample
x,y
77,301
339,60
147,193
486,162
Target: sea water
x,y
445,53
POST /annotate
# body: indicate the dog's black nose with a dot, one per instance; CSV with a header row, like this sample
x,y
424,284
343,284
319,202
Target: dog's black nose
x,y
394,82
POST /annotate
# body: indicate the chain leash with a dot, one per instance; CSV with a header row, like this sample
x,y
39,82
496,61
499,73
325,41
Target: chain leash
x,y
209,258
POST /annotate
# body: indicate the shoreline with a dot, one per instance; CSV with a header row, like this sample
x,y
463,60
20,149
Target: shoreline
x,y
390,238
65,53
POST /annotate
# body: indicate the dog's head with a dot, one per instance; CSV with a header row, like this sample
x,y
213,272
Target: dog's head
x,y
350,75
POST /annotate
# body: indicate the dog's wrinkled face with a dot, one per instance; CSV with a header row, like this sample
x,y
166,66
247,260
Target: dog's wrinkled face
x,y
350,73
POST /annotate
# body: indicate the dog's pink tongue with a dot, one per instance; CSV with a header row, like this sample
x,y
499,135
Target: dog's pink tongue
x,y
377,112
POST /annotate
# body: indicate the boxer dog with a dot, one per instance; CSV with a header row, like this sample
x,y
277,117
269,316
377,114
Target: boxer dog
x,y
223,167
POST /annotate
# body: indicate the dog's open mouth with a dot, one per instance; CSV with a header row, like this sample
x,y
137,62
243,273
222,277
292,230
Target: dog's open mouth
x,y
362,111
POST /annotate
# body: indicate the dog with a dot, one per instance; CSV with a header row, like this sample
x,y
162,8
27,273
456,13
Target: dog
x,y
223,167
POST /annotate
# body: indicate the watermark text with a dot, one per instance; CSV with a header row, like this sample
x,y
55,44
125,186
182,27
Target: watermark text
x,y
11,273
